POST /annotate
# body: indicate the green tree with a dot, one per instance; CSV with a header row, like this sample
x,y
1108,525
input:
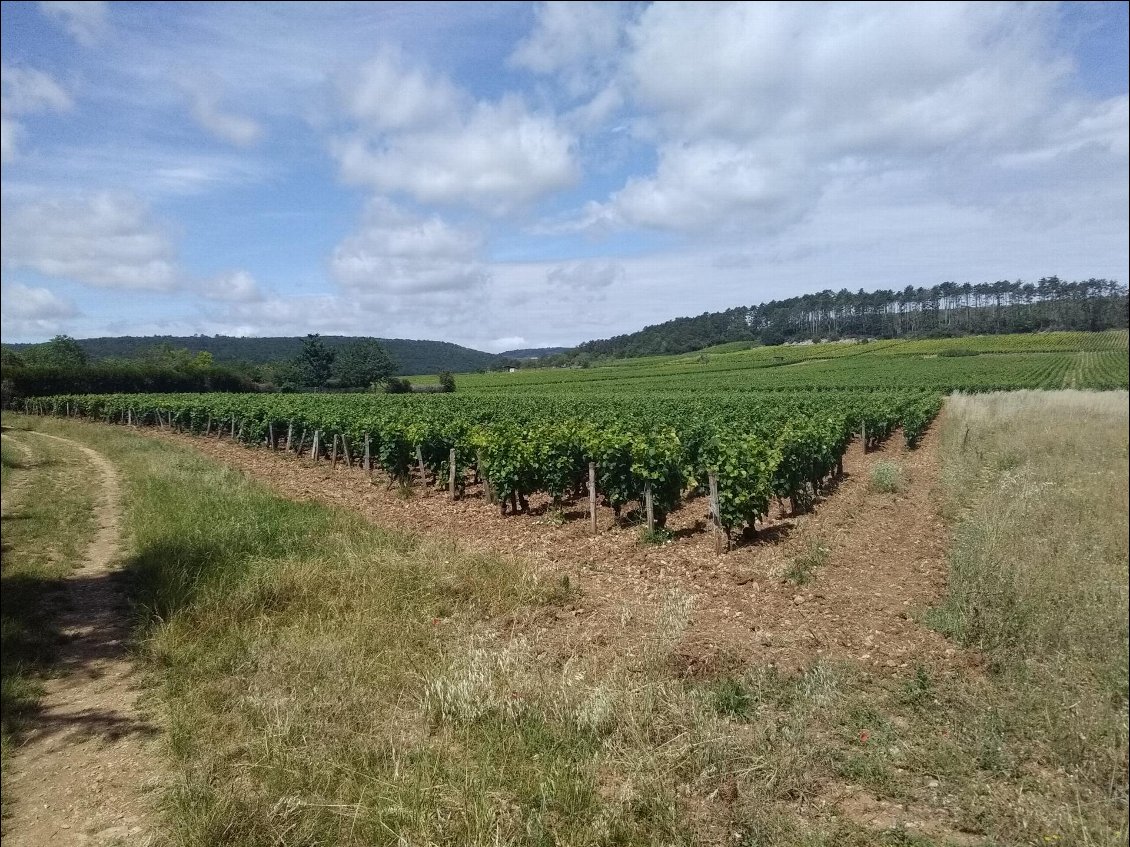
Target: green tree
x,y
315,362
62,351
446,381
361,364
9,358
164,355
398,386
202,360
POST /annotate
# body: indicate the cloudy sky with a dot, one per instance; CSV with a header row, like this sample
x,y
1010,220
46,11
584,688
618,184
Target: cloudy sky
x,y
510,175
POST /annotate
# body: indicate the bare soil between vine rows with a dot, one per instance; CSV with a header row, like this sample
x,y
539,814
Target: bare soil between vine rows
x,y
884,564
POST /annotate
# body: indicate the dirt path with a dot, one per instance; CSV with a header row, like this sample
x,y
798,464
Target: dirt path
x,y
883,563
84,764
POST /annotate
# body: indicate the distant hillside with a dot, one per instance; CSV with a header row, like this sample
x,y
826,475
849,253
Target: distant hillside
x,y
533,352
948,309
412,357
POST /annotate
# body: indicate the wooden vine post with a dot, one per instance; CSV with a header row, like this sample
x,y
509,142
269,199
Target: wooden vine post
x,y
720,543
289,434
333,454
315,447
451,474
420,461
368,456
649,506
592,496
863,434
271,436
488,491
345,451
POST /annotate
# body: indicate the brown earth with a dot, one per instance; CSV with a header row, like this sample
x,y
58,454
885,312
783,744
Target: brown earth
x,y
85,761
884,562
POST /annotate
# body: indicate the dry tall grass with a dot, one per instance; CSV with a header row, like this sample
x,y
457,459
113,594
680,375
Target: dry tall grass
x,y
1038,483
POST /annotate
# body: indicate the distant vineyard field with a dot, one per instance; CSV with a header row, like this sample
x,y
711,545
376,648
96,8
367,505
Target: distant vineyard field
x,y
1098,360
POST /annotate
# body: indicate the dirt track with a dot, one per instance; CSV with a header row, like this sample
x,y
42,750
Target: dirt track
x,y
86,758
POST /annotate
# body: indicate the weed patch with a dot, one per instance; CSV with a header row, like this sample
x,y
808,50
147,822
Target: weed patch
x,y
888,477
804,566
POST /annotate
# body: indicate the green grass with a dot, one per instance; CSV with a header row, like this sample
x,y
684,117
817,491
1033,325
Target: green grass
x,y
47,523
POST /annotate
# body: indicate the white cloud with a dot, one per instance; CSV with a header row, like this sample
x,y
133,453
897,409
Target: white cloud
x,y
388,94
589,275
711,185
576,42
398,253
233,287
148,171
85,20
234,129
33,312
1101,125
25,91
25,302
507,342
448,315
10,132
908,75
420,136
106,240
754,108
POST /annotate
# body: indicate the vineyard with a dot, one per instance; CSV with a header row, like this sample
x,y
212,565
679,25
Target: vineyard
x,y
651,450
1097,360
742,429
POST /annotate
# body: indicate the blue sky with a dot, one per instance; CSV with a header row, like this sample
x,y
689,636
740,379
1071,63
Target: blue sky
x,y
507,175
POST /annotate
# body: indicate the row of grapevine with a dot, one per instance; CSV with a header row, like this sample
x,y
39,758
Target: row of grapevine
x,y
785,445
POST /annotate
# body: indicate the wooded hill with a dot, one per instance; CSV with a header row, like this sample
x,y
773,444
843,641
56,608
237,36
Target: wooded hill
x,y
411,357
949,309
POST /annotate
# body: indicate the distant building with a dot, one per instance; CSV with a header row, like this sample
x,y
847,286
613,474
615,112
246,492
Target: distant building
x,y
513,370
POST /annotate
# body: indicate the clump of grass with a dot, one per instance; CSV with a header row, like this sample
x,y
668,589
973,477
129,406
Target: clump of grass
x,y
554,517
659,535
10,460
805,564
888,477
732,698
